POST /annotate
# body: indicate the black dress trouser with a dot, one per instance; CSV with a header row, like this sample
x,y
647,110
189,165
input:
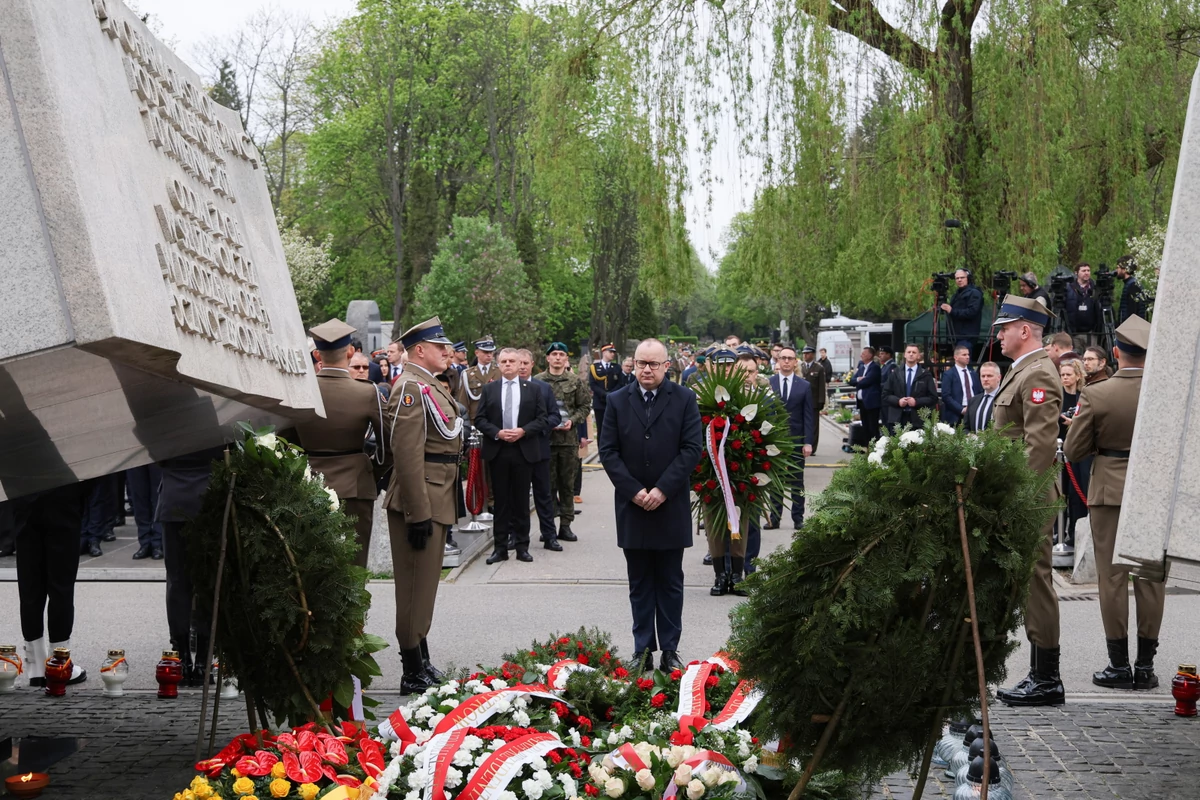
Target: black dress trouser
x,y
48,529
512,477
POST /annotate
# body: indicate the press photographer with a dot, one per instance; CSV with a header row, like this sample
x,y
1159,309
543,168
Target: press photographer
x,y
965,310
1082,303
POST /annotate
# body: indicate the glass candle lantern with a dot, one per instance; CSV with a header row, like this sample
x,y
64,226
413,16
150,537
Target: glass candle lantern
x,y
113,673
10,668
58,672
1185,688
169,674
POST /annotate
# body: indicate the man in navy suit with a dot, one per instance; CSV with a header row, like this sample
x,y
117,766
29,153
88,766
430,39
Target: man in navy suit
x,y
543,499
796,396
960,384
910,389
867,380
649,446
511,417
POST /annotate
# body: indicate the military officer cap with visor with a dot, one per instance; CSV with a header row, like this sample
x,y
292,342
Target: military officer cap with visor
x,y
430,331
1015,307
332,335
1133,337
485,343
722,355
808,348
608,347
460,347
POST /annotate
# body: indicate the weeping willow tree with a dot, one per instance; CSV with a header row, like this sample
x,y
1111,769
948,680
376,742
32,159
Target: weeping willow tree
x,y
1051,128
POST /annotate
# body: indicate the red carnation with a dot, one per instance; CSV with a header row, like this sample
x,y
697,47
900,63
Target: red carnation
x,y
736,444
579,644
711,681
741,486
620,672
645,683
564,640
561,654
606,657
531,652
682,738
608,713
658,700
710,484
576,771
582,658
586,741
676,674
752,497
584,723
555,757
591,791
560,709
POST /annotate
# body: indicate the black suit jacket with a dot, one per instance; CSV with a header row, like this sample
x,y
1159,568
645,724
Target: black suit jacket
x,y
924,391
799,405
531,416
973,412
952,393
659,451
553,418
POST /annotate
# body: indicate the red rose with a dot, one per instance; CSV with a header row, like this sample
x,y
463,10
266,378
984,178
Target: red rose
x,y
606,657
721,405
733,465
738,418
752,498
766,465
681,738
658,700
753,740
580,645
676,674
699,468
736,444
620,672
591,791
711,681
710,484
707,498
706,419
582,658
733,428
753,481
741,487
608,713
697,487
645,683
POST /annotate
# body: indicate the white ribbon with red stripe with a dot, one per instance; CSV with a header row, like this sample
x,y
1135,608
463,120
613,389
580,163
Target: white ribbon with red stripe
x,y
439,753
505,764
556,675
473,712
716,454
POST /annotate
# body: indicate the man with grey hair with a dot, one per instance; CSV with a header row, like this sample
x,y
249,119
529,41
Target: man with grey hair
x,y
649,445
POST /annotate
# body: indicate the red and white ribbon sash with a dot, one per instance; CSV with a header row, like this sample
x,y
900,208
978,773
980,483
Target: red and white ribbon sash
x,y
556,676
743,701
438,756
692,695
626,756
700,762
505,764
691,689
716,454
475,711
395,728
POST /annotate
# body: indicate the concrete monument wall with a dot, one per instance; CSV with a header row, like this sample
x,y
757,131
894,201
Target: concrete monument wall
x,y
146,303
1160,518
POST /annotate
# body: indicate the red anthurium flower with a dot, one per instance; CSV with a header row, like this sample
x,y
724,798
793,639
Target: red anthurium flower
x,y
257,765
658,700
305,767
331,749
306,740
286,741
348,780
370,758
682,738
329,772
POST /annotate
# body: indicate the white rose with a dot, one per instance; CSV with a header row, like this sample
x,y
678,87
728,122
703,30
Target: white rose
x,y
333,499
614,787
645,750
267,440
695,790
683,774
711,776
597,773
645,779
942,427
674,756
533,790
608,763
743,750
454,778
750,764
729,776
912,437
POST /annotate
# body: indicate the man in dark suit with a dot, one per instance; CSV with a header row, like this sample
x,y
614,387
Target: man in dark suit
x,y
511,416
866,380
979,410
649,446
796,395
910,388
887,364
543,498
960,383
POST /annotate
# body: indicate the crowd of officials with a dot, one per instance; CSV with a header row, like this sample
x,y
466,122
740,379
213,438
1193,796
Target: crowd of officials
x,y
405,421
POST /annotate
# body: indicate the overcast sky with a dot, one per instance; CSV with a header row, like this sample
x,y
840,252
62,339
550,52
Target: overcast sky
x,y
187,23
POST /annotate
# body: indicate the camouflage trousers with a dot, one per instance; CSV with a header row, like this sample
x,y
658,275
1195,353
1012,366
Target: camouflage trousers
x,y
564,468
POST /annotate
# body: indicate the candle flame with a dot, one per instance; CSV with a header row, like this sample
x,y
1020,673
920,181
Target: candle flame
x,y
26,778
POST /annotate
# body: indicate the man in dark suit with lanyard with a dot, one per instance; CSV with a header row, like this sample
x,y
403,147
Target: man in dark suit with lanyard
x,y
512,416
649,446
796,396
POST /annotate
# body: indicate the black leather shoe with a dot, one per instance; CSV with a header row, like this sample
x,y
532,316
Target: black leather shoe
x,y
157,554
143,552
566,534
512,543
736,565
78,677
551,545
94,550
708,559
523,555
497,556
8,550
642,661
1042,686
415,679
771,526
1118,674
110,536
1143,669
669,661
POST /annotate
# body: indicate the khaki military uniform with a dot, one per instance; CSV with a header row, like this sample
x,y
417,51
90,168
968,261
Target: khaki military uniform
x,y
574,401
814,373
471,385
422,488
1027,407
1104,428
335,446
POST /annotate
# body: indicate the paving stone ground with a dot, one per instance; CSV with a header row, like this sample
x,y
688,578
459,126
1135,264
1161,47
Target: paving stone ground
x,y
141,747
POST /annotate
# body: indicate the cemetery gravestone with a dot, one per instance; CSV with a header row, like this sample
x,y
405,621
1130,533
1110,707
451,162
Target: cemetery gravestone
x,y
146,304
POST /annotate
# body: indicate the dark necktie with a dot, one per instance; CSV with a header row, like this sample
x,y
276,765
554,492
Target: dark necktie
x,y
910,377
983,409
786,385
649,398
966,379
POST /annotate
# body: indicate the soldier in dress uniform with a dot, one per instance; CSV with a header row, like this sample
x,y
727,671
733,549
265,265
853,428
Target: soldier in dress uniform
x,y
604,377
456,368
424,424
1027,406
813,372
573,398
1103,427
476,377
353,410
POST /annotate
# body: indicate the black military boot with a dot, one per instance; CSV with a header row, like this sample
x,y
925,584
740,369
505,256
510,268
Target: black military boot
x,y
430,669
1042,686
415,679
565,534
1143,667
736,565
721,584
1117,675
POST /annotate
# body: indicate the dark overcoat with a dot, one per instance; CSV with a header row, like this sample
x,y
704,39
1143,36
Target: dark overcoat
x,y
660,451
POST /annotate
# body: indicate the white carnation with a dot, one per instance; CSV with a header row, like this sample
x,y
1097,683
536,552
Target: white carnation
x,y
570,788
498,684
553,719
435,719
413,795
575,737
454,778
472,743
881,444
333,499
521,701
463,758
521,718
506,795
417,779
543,778
424,713
407,713
613,737
875,458
912,437
496,744
533,790
449,689
942,427
482,757
750,764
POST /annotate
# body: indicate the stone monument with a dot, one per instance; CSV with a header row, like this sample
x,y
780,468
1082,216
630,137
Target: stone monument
x,y
363,316
1159,534
145,304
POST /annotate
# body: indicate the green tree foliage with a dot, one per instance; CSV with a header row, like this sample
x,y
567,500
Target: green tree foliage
x,y
476,284
225,90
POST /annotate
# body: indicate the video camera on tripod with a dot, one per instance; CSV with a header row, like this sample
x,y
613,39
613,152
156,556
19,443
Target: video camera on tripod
x,y
1002,282
940,286
1105,281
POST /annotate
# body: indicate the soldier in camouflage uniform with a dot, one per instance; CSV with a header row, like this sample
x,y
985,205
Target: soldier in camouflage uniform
x,y
574,401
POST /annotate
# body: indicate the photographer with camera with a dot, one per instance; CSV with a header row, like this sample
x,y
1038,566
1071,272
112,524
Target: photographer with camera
x,y
965,310
1133,299
1083,306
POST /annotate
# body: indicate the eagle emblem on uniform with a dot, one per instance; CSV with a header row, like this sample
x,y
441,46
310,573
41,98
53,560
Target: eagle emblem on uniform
x,y
1037,396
